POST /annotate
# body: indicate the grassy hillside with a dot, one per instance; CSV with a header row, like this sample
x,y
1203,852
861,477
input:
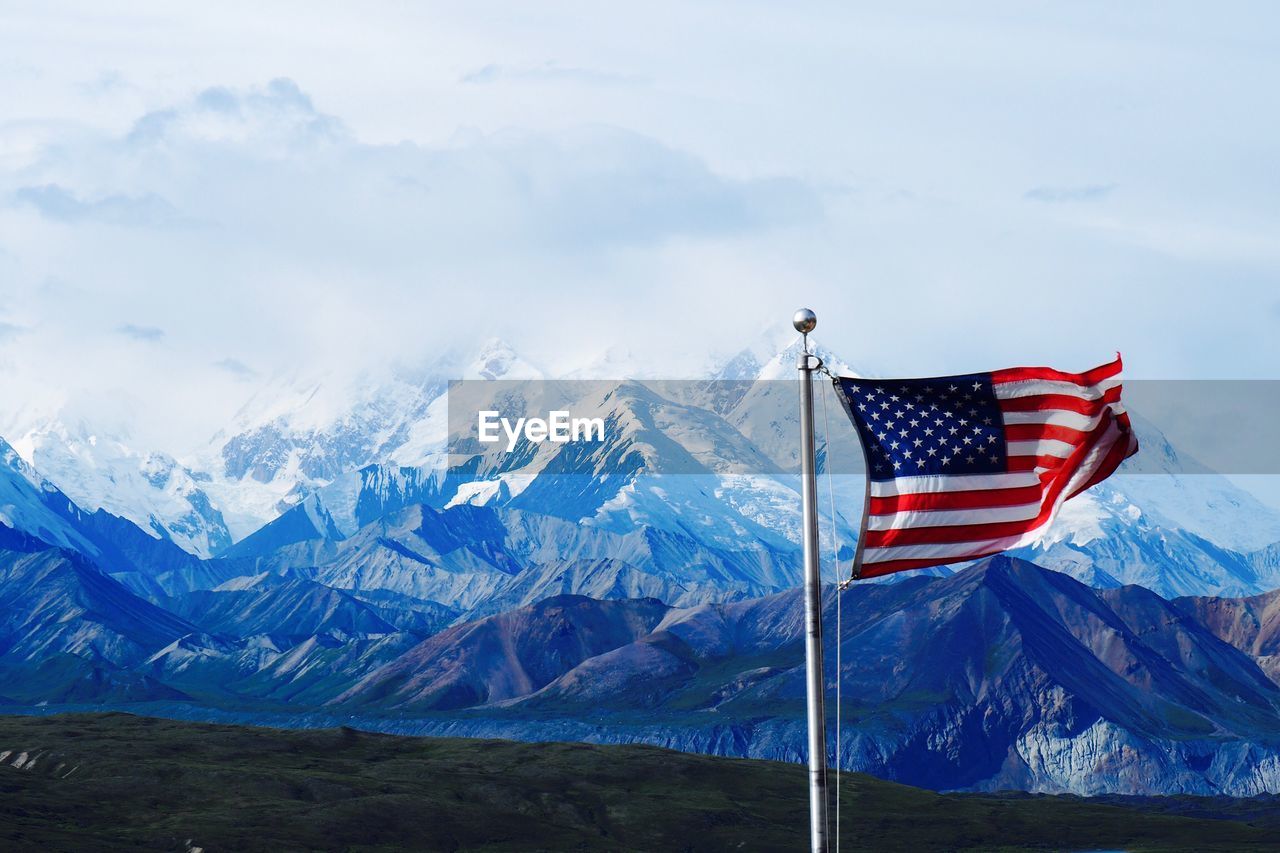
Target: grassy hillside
x,y
117,782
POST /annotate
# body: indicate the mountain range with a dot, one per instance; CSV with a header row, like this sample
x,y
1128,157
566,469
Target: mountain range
x,y
346,553
1002,675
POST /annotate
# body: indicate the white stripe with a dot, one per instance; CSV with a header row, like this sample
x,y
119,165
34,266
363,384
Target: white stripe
x,y
1056,417
931,483
952,517
951,550
1042,447
1036,387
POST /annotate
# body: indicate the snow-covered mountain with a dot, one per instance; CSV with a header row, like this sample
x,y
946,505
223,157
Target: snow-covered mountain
x,y
31,504
711,456
98,469
1164,522
299,433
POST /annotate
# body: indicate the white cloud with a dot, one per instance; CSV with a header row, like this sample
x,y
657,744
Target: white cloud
x,y
236,368
61,205
548,72
332,186
1060,195
148,334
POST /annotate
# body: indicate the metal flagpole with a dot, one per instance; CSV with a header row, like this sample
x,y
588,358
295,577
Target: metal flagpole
x,y
805,321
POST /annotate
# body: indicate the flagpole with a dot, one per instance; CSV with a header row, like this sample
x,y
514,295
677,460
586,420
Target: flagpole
x,y
804,322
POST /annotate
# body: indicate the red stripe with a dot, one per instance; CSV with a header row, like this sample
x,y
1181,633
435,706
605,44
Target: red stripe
x,y
955,533
1035,432
955,500
1031,463
1089,377
1064,402
995,530
888,567
1126,445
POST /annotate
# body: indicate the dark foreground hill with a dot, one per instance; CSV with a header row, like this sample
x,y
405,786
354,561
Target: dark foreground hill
x,y
117,782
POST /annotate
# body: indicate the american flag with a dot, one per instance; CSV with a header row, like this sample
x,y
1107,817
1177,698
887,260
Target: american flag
x,y
961,467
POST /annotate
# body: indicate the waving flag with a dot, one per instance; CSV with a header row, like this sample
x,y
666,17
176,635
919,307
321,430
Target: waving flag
x,y
961,467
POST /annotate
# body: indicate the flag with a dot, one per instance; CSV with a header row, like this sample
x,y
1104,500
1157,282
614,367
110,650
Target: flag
x,y
961,467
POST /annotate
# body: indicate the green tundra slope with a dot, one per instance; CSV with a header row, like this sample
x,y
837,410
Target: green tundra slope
x,y
118,782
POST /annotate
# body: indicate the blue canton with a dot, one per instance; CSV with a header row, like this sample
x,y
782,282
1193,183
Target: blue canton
x,y
913,427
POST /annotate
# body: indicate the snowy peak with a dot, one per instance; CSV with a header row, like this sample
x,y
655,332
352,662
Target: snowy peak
x,y
100,470
783,364
301,432
31,504
498,360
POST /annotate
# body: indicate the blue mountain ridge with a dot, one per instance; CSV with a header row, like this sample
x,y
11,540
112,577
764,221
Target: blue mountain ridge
x,y
644,590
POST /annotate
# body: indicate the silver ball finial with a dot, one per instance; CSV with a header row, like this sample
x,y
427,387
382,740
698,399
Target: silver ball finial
x,y
804,321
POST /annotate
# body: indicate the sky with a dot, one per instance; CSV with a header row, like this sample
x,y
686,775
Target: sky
x,y
194,199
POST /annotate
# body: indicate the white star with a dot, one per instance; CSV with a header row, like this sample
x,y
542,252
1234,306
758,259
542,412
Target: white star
x,y
977,386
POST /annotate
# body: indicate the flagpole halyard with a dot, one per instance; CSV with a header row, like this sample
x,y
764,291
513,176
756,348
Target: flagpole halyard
x,y
804,322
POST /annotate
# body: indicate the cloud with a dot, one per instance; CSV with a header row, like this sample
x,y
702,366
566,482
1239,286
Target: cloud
x,y
318,248
548,72
59,204
10,331
274,120
149,334
236,368
1066,195
106,83
265,165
